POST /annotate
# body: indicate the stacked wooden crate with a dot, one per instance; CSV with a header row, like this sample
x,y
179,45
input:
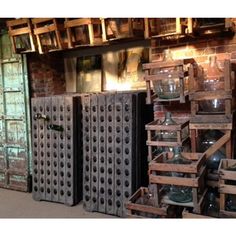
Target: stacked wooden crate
x,y
213,121
158,204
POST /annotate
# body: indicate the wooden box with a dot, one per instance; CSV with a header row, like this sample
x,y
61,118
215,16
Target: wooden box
x,y
137,207
121,28
21,35
166,27
227,94
196,178
181,73
49,34
181,129
225,187
83,31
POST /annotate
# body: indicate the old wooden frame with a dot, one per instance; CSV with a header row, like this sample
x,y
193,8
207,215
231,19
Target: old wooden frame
x,y
133,28
132,206
17,28
80,22
225,188
45,26
227,94
150,76
196,169
181,28
154,126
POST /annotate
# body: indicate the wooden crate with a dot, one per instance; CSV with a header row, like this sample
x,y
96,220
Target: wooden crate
x,y
48,32
155,126
209,26
151,75
137,208
165,27
83,31
122,28
21,35
226,188
196,170
227,94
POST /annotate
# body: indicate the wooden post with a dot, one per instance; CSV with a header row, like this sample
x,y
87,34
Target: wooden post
x,y
190,25
178,26
146,28
91,33
193,140
104,37
181,84
58,36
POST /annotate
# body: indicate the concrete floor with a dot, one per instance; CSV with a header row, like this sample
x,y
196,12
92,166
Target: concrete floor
x,y
14,204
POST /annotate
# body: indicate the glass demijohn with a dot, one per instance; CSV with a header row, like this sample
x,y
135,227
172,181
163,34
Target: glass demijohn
x,y
213,81
168,87
180,194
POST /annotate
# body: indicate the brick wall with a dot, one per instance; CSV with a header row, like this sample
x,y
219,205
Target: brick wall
x,y
46,74
224,47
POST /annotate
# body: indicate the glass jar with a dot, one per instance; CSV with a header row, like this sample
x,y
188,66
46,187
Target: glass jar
x,y
212,207
207,139
213,80
179,194
168,87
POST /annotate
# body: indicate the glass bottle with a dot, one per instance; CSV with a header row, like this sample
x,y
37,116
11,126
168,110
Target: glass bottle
x,y
168,136
207,139
168,87
180,194
213,80
212,207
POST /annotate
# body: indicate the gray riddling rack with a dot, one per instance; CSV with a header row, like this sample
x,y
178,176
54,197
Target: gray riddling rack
x,y
56,172
111,125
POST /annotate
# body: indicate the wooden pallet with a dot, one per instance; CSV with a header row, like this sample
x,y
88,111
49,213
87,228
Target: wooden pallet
x,y
83,32
48,32
196,170
151,75
137,208
226,188
21,35
155,126
227,94
122,28
162,28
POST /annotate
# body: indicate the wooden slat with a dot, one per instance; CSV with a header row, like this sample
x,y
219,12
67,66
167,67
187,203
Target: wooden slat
x,y
20,31
147,209
45,29
176,74
188,182
220,126
162,143
160,64
227,175
191,168
40,20
16,22
228,189
210,95
210,118
77,22
217,145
